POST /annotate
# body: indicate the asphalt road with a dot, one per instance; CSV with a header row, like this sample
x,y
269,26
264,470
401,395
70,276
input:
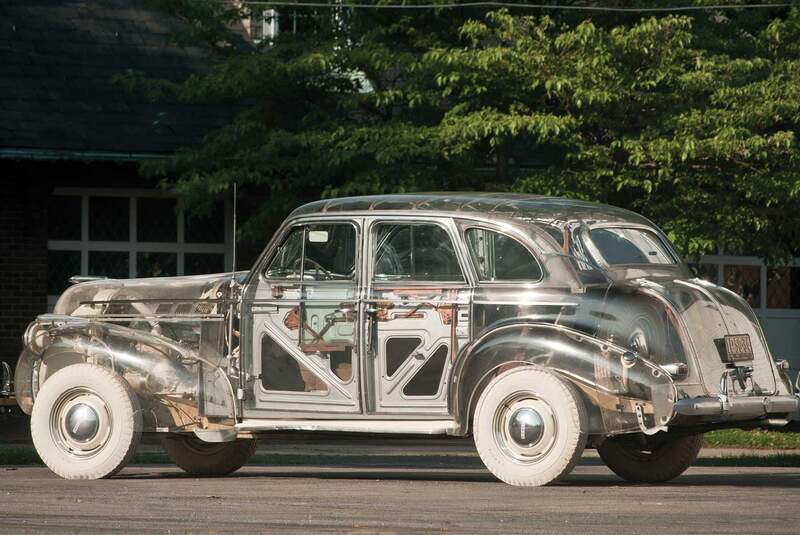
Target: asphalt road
x,y
399,500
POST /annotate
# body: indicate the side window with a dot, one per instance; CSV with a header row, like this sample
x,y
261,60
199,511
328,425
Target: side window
x,y
498,257
286,264
329,249
416,251
330,252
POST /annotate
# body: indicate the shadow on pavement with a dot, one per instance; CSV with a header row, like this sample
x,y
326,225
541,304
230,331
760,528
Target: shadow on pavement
x,y
710,478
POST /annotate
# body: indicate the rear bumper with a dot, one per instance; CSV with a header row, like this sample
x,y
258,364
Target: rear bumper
x,y
738,408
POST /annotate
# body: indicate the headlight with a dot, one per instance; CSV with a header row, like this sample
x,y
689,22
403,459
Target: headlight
x,y
35,337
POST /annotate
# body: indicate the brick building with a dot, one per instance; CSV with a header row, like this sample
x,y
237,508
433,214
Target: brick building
x,y
73,201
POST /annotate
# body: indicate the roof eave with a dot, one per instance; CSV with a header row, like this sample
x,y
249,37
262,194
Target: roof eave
x,y
69,154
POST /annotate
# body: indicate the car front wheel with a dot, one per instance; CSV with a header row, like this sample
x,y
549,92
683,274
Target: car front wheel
x,y
201,458
529,427
86,422
655,461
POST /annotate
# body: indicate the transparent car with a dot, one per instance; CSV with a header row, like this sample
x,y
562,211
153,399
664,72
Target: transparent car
x,y
538,326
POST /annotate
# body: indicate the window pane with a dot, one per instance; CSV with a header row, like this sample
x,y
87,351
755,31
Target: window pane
x,y
745,281
330,252
500,257
111,264
415,252
156,220
156,264
202,263
109,219
64,218
61,265
393,257
621,246
208,228
282,372
706,272
286,264
783,287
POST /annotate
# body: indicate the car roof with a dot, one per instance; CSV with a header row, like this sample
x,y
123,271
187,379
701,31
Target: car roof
x,y
513,207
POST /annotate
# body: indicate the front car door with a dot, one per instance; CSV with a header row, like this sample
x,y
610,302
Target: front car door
x,y
302,311
417,312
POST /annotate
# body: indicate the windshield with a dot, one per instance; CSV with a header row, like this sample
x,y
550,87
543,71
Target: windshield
x,y
623,246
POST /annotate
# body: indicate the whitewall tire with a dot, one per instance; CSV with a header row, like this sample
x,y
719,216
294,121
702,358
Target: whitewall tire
x,y
529,427
86,422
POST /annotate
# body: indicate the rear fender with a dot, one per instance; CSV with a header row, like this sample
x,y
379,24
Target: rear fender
x,y
178,388
612,388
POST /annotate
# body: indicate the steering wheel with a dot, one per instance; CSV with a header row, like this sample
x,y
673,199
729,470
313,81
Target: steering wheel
x,y
317,268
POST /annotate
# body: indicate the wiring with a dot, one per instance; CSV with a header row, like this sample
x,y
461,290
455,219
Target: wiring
x,y
346,5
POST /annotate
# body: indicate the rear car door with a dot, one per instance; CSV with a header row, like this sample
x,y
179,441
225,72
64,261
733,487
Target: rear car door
x,y
417,312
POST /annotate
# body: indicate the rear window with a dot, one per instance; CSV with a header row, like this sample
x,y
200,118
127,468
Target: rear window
x,y
620,246
498,257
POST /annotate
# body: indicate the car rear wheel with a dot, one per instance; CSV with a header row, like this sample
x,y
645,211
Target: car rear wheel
x,y
201,458
529,427
86,422
653,462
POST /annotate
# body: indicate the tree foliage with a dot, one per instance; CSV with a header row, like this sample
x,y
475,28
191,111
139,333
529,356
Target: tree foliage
x,y
688,119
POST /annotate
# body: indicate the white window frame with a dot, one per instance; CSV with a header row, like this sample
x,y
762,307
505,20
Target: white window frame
x,y
719,261
132,246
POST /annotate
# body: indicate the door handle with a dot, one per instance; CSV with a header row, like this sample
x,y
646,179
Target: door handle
x,y
417,355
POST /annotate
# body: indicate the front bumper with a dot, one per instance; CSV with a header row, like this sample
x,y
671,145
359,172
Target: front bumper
x,y
738,407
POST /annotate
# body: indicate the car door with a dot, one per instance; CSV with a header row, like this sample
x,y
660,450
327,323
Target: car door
x,y
302,317
417,312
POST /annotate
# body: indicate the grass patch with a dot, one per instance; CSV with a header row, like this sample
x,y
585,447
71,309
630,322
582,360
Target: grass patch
x,y
756,439
780,460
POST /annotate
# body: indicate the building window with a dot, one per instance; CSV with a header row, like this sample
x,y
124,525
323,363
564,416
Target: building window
x,y
783,287
130,233
762,286
745,281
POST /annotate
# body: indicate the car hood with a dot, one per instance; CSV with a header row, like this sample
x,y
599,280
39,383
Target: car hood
x,y
92,298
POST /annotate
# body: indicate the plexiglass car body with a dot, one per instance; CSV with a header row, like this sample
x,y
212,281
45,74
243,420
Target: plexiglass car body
x,y
538,324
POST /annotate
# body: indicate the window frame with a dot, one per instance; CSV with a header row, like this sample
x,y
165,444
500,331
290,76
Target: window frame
x,y
132,246
469,226
445,223
274,247
597,255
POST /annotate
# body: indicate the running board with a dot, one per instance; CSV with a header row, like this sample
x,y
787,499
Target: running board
x,y
411,427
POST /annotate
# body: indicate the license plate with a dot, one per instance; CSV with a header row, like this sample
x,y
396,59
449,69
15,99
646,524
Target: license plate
x,y
735,348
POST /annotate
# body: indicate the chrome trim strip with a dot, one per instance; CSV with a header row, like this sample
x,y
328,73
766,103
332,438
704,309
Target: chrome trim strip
x,y
420,427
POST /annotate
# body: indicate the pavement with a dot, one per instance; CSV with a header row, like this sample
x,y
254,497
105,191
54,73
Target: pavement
x,y
400,496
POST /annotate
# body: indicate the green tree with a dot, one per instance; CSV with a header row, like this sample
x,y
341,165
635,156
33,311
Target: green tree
x,y
689,119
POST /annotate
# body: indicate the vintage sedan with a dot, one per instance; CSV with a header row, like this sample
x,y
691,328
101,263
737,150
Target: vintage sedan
x,y
539,326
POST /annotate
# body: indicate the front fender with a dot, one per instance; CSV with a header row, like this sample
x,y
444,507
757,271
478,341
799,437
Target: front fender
x,y
612,387
178,388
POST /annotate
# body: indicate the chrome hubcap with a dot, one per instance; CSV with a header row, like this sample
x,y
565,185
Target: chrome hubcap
x,y
525,427
80,422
